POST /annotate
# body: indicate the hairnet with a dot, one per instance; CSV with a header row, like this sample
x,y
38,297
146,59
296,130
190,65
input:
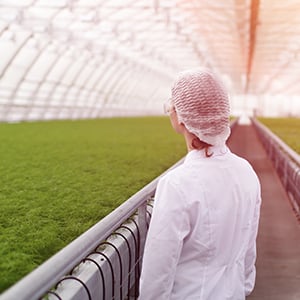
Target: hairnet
x,y
202,105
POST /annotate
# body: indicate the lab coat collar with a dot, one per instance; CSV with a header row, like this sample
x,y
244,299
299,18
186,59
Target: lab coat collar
x,y
200,154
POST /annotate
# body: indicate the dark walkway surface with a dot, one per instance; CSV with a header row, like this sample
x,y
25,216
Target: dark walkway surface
x,y
278,261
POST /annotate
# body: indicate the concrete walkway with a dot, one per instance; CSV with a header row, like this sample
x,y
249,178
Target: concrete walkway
x,y
278,245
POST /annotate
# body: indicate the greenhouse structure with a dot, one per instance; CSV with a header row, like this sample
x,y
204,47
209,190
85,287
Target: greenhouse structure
x,y
84,140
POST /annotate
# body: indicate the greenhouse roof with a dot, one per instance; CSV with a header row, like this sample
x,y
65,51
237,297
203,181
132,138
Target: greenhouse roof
x,y
90,58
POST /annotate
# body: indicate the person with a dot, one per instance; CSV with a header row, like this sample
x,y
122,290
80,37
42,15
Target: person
x,y
201,242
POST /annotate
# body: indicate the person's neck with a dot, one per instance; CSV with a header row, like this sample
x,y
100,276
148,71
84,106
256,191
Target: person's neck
x,y
189,137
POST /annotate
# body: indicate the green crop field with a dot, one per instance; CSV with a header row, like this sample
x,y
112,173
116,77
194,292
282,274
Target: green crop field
x,y
59,178
288,129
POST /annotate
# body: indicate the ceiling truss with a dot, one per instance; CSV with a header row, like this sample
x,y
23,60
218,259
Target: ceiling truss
x,y
90,58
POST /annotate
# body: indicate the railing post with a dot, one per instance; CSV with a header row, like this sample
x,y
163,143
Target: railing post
x,y
285,174
142,222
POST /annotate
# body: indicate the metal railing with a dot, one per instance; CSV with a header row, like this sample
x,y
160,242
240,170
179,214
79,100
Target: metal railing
x,y
286,162
102,263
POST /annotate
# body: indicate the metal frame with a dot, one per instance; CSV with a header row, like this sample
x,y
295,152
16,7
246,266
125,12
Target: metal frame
x,y
241,40
286,162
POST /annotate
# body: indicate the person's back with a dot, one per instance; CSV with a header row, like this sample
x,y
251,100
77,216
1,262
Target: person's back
x,y
222,196
202,235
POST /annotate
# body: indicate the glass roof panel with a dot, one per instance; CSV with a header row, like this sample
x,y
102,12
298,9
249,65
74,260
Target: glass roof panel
x,y
63,47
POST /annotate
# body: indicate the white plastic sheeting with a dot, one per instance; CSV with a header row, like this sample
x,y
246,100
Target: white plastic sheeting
x,y
68,59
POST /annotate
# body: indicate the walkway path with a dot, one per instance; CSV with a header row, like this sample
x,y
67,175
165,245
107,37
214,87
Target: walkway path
x,y
278,262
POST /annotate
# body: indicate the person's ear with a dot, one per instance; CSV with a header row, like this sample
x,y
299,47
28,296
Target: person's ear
x,y
180,127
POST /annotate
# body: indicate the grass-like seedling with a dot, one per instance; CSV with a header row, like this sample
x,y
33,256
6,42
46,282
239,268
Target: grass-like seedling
x,y
288,129
59,178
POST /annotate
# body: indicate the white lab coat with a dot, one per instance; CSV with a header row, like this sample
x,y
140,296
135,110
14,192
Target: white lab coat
x,y
201,242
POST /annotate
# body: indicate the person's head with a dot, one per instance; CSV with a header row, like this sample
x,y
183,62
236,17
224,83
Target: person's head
x,y
201,104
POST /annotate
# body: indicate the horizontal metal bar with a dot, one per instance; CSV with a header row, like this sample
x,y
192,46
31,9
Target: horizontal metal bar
x,y
290,152
286,163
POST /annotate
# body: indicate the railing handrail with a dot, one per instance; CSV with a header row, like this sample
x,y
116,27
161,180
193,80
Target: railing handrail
x,y
48,273
290,152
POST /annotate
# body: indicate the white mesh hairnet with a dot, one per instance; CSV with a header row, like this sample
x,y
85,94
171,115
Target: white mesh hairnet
x,y
202,105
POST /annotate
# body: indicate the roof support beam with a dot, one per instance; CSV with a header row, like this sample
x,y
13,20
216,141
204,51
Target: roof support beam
x,y
252,39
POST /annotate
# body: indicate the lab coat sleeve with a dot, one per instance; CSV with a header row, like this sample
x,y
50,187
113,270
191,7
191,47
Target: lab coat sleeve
x,y
168,227
250,270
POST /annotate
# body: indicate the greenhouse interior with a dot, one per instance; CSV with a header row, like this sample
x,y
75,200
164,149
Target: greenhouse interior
x,y
84,139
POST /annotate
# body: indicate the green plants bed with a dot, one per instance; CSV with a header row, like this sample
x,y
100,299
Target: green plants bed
x,y
59,178
288,129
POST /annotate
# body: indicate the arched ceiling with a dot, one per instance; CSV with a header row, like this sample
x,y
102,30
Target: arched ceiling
x,y
92,58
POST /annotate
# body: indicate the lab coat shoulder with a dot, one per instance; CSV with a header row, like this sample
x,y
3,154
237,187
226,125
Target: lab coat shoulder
x,y
246,170
169,189
174,185
170,212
